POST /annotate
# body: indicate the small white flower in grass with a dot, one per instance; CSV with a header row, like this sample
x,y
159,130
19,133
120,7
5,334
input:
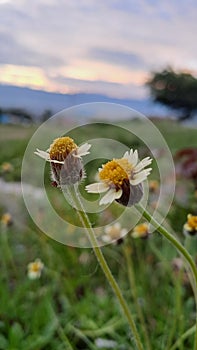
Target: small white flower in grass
x,y
190,227
34,269
65,159
122,179
102,343
113,233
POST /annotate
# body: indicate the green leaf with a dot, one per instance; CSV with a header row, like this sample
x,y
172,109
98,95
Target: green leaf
x,y
15,335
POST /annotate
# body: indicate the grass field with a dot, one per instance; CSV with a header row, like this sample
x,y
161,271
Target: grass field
x,y
71,306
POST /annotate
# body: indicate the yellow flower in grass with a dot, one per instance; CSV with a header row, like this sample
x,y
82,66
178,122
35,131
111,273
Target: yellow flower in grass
x,y
190,226
140,231
65,159
6,219
113,233
6,167
34,269
153,186
122,179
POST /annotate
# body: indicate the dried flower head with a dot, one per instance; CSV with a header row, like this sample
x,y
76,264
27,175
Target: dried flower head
x,y
65,159
121,179
6,219
140,231
34,269
190,227
113,233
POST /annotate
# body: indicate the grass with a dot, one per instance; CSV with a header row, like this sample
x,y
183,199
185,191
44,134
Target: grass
x,y
71,306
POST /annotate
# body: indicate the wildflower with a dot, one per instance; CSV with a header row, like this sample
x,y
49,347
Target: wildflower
x,y
102,343
6,219
153,186
113,233
140,231
121,179
190,226
6,167
65,159
35,269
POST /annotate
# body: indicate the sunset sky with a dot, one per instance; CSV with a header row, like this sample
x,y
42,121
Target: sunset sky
x,y
106,46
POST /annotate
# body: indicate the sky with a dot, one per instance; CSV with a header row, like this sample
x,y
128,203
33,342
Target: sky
x,y
107,46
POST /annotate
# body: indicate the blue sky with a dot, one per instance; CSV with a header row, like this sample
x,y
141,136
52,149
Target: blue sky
x,y
105,46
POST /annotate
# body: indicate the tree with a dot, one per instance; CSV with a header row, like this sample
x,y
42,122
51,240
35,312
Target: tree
x,y
22,114
177,90
46,115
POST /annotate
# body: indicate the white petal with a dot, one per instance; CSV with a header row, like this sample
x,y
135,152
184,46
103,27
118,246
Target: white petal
x,y
42,154
140,177
126,155
56,161
142,173
144,162
117,226
136,181
83,150
135,158
110,196
107,229
132,157
106,239
97,187
123,232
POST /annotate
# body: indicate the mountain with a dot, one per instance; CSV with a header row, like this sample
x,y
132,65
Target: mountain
x,y
36,101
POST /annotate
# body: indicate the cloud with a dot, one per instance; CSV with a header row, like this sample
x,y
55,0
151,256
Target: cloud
x,y
15,53
101,87
126,59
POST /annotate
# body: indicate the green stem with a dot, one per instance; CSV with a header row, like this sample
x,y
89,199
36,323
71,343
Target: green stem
x,y
184,336
7,253
75,197
131,276
82,336
61,333
181,249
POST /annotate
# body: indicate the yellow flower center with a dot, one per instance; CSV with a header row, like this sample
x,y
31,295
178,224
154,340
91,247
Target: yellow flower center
x,y
142,228
61,147
192,221
116,171
6,219
35,267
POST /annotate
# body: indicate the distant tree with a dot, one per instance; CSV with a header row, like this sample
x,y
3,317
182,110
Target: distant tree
x,y
46,115
22,114
177,90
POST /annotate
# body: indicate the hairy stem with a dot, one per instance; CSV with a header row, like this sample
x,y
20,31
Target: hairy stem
x,y
75,198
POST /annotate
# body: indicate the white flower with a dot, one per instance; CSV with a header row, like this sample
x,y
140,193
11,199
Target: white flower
x,y
35,269
62,152
113,233
121,179
65,159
